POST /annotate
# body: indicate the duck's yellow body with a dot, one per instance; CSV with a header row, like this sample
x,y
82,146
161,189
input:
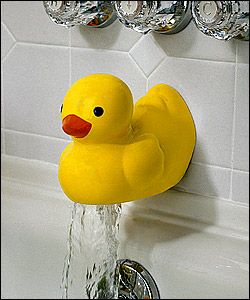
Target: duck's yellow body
x,y
120,151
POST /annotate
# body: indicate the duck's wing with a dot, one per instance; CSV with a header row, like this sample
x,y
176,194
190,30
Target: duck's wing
x,y
143,162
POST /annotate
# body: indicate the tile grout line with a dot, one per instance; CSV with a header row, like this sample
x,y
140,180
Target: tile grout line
x,y
9,31
67,46
162,61
120,51
2,111
135,44
157,66
26,43
70,59
133,60
234,124
210,165
241,171
98,49
35,135
9,52
190,191
136,64
14,42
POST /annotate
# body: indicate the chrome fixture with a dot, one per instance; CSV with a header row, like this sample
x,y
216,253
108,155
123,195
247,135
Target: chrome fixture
x,y
87,13
134,281
160,16
222,20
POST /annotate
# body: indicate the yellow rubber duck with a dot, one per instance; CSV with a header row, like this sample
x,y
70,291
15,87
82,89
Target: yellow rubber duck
x,y
120,151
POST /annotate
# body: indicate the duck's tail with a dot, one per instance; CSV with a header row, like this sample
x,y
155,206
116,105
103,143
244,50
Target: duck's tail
x,y
164,113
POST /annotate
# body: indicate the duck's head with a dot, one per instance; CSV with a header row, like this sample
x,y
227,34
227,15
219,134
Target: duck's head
x,y
97,108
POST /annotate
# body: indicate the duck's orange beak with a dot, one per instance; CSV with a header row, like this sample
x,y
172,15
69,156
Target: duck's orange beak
x,y
75,126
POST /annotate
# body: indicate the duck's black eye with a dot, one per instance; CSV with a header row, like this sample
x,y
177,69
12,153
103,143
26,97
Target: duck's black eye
x,y
61,108
98,111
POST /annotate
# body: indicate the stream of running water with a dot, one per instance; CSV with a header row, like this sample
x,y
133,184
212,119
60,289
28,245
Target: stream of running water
x,y
89,266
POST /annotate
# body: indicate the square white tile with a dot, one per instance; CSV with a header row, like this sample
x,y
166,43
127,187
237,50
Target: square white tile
x,y
32,146
35,81
28,22
152,54
240,187
206,180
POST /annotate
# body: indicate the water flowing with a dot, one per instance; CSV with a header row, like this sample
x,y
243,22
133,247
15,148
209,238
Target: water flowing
x,y
89,265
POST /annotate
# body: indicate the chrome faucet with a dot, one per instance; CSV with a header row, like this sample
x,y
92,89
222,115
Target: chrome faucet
x,y
88,13
222,20
134,281
160,16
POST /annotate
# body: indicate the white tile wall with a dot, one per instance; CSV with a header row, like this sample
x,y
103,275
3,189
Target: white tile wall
x,y
150,49
8,39
241,137
28,22
35,79
203,179
243,52
87,61
114,37
208,88
39,61
34,146
240,186
191,43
